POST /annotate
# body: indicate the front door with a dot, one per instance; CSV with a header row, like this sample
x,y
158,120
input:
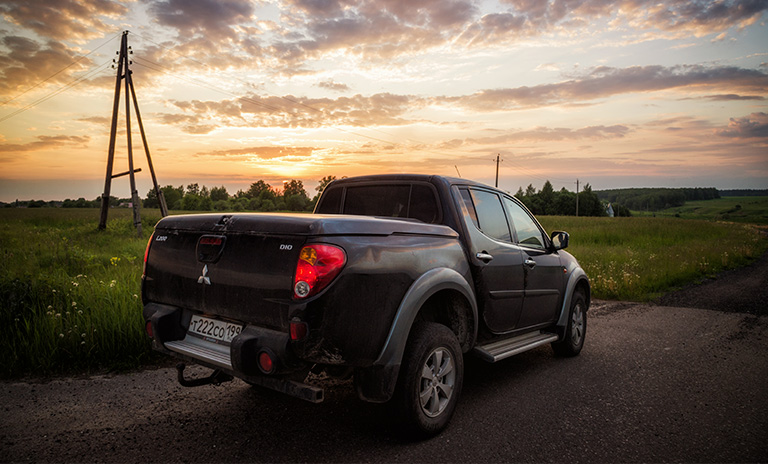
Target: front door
x,y
543,271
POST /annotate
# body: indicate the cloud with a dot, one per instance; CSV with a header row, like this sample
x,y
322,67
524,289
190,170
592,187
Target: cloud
x,y
213,19
532,18
333,86
71,20
25,63
603,82
188,123
291,111
46,142
753,126
261,152
543,134
734,97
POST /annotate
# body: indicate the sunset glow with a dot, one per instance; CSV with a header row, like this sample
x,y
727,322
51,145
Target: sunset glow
x,y
627,93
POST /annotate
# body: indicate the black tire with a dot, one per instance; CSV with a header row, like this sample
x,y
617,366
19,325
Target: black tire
x,y
430,379
576,330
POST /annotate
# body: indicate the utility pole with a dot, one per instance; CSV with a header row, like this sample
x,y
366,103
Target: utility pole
x,y
498,160
577,197
123,72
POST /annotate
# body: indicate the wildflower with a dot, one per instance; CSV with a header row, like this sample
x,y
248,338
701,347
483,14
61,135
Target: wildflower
x,y
54,290
135,296
50,307
58,314
112,284
80,311
79,275
61,335
114,260
82,335
75,284
74,304
67,313
82,343
16,319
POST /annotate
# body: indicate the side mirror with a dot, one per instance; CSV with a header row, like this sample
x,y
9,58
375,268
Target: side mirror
x,y
559,239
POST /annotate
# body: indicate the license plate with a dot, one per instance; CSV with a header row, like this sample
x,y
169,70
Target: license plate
x,y
213,330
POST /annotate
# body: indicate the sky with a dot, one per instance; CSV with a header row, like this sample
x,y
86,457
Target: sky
x,y
625,93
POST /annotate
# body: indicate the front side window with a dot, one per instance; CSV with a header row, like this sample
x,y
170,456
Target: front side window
x,y
528,233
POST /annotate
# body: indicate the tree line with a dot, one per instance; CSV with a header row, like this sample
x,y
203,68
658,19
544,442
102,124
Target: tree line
x,y
547,201
260,196
656,199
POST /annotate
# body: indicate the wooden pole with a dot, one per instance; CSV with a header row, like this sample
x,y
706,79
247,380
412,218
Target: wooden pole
x,y
112,133
134,193
158,192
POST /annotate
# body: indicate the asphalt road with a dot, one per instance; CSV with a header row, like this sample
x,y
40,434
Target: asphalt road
x,y
653,384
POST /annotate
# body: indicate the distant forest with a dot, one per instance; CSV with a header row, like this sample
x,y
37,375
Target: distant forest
x,y
655,199
744,193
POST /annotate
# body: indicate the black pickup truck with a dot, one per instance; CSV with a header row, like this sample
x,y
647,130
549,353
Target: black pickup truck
x,y
392,279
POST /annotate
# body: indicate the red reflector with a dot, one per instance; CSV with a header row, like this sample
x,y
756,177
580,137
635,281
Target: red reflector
x,y
210,241
298,330
150,332
266,364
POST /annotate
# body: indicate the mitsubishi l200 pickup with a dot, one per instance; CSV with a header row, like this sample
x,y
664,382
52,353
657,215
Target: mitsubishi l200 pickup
x,y
393,279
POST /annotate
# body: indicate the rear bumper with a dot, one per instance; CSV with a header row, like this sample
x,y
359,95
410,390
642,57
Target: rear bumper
x,y
239,359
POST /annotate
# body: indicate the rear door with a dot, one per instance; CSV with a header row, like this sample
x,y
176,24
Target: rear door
x,y
497,263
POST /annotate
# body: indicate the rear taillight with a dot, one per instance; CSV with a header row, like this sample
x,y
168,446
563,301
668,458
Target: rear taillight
x,y
146,253
150,332
318,265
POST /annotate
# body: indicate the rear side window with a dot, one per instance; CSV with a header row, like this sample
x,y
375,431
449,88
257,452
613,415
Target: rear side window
x,y
490,215
331,201
416,201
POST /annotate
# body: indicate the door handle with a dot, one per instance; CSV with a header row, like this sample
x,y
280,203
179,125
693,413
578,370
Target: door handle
x,y
484,257
530,263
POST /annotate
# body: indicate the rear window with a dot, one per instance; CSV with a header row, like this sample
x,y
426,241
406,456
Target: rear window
x,y
412,201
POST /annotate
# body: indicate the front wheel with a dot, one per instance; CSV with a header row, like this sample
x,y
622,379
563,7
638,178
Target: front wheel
x,y
430,378
576,330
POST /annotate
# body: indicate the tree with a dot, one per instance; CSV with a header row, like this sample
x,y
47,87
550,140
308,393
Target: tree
x,y
219,193
204,193
547,198
256,189
324,183
293,187
193,189
172,195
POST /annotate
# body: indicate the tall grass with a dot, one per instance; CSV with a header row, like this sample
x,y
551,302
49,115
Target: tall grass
x,y
70,293
641,258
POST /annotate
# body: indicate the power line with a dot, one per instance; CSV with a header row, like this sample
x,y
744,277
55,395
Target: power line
x,y
59,71
56,92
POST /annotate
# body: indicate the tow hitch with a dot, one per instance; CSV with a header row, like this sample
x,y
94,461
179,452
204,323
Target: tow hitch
x,y
217,377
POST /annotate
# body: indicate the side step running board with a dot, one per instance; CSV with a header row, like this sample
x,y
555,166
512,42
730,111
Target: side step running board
x,y
503,349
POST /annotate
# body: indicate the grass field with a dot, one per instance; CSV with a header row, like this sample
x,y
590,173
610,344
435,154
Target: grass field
x,y
752,210
71,303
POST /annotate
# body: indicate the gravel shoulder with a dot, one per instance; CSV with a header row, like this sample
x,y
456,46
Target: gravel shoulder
x,y
742,290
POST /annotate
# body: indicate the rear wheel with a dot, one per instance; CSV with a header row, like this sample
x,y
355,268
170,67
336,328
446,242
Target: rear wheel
x,y
430,379
576,330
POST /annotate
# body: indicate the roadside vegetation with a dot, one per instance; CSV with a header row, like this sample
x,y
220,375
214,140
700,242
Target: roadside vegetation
x,y
71,300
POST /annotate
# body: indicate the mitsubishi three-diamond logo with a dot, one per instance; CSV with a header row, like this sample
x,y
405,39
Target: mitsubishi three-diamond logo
x,y
204,279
